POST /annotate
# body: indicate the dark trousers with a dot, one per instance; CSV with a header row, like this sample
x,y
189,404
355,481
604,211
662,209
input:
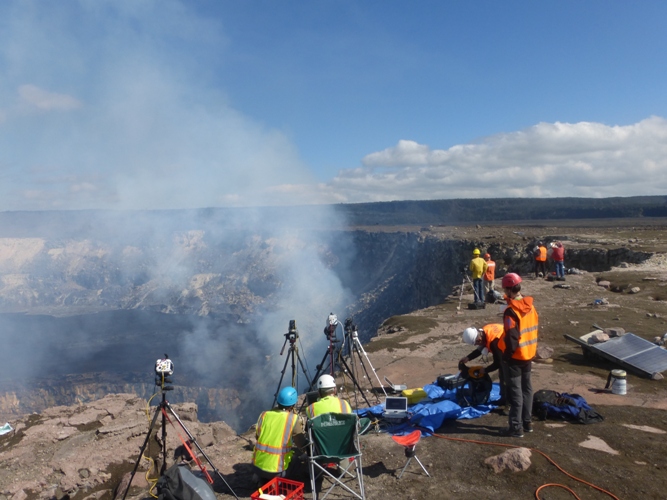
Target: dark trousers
x,y
478,285
540,267
519,394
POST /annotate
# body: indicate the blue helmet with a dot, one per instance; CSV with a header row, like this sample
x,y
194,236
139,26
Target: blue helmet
x,y
287,396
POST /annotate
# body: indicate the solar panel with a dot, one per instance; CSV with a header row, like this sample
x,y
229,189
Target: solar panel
x,y
634,351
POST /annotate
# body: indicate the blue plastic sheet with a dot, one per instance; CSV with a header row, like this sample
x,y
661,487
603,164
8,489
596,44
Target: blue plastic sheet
x,y
432,412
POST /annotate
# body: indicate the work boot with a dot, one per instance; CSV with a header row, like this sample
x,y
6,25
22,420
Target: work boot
x,y
528,427
509,432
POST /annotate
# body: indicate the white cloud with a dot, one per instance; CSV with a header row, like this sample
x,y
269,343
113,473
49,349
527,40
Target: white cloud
x,y
45,100
549,159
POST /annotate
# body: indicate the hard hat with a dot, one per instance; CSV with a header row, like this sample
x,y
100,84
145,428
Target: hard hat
x,y
326,382
470,335
287,396
553,244
476,251
487,255
511,279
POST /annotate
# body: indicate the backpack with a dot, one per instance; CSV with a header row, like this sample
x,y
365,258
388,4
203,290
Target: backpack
x,y
552,405
179,483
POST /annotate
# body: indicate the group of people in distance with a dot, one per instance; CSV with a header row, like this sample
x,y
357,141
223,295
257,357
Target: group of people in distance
x,y
280,430
513,345
483,273
541,254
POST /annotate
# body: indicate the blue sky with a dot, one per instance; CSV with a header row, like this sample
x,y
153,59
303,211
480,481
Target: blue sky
x,y
168,104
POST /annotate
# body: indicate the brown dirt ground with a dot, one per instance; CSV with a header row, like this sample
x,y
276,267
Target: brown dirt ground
x,y
429,345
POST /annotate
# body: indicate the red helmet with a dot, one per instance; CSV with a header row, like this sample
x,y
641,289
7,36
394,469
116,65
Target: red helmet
x,y
487,255
511,279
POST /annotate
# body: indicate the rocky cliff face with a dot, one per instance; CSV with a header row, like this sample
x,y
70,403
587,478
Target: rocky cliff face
x,y
194,272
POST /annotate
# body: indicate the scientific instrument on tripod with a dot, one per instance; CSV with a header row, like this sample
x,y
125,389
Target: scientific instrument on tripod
x,y
355,348
291,337
164,369
335,357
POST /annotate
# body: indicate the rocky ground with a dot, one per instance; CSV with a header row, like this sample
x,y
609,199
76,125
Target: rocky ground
x,y
85,451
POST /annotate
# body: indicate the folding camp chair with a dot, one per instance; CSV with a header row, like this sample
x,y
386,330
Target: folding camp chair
x,y
409,441
334,440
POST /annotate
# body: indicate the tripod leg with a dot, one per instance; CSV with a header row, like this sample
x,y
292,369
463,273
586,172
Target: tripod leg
x,y
194,441
141,451
360,350
280,382
356,384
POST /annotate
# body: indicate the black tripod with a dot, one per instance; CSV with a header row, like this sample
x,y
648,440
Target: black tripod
x,y
330,332
161,379
292,355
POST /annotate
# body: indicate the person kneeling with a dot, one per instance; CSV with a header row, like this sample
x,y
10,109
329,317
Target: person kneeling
x,y
278,430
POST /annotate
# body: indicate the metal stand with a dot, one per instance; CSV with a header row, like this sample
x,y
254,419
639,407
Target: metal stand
x,y
162,379
330,332
355,347
292,355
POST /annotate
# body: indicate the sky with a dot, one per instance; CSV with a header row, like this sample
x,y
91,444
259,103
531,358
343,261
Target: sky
x,y
153,104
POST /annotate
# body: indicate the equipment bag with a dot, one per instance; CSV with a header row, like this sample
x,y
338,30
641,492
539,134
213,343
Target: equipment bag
x,y
179,483
476,305
552,405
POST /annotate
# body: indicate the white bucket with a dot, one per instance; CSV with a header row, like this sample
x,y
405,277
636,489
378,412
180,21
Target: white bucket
x,y
617,381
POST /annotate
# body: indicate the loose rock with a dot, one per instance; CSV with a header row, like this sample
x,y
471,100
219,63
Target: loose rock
x,y
515,460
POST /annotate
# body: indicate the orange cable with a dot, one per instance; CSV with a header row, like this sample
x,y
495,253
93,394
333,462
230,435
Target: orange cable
x,y
537,496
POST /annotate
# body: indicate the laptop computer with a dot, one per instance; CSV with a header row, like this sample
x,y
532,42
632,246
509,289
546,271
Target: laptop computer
x,y
395,407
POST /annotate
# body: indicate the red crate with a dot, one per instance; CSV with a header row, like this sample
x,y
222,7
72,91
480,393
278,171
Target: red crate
x,y
293,490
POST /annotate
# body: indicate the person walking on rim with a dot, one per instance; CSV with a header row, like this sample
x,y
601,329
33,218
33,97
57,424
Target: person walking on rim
x,y
489,274
477,269
487,339
519,345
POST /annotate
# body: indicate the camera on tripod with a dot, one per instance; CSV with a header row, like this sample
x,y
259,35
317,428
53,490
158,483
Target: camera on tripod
x,y
164,369
330,329
351,328
292,333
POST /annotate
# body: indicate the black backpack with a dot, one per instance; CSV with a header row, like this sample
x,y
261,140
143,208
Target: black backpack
x,y
553,405
179,483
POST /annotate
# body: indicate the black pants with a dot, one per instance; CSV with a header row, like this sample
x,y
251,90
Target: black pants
x,y
540,267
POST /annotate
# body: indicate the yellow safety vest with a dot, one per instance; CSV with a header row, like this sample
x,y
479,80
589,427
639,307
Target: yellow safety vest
x,y
328,404
273,451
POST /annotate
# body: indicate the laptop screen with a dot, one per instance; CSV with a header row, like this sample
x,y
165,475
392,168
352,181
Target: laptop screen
x,y
398,404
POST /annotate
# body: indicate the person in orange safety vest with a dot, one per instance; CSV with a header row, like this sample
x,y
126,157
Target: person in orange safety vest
x,y
489,274
487,339
519,345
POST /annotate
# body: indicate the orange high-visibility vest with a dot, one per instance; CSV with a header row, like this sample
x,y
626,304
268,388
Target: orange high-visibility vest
x,y
527,325
273,451
490,273
542,256
492,332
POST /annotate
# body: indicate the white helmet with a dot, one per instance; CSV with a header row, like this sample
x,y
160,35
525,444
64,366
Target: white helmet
x,y
326,382
470,335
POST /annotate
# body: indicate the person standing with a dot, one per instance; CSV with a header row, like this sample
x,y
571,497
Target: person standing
x,y
489,274
558,256
477,269
487,338
519,346
276,431
540,253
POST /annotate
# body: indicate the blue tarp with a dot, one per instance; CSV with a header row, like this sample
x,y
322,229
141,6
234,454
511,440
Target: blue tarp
x,y
432,412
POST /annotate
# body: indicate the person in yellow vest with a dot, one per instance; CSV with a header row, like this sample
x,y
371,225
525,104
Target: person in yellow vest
x,y
477,269
276,433
489,274
519,346
540,252
327,402
487,339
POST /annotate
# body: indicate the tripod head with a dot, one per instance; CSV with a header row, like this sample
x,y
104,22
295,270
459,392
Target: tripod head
x,y
292,333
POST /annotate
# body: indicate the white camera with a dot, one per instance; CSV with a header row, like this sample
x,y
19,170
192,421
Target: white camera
x,y
164,366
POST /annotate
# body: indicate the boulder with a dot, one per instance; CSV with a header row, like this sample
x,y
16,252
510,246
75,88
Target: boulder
x,y
598,338
634,289
544,352
604,284
515,460
614,332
